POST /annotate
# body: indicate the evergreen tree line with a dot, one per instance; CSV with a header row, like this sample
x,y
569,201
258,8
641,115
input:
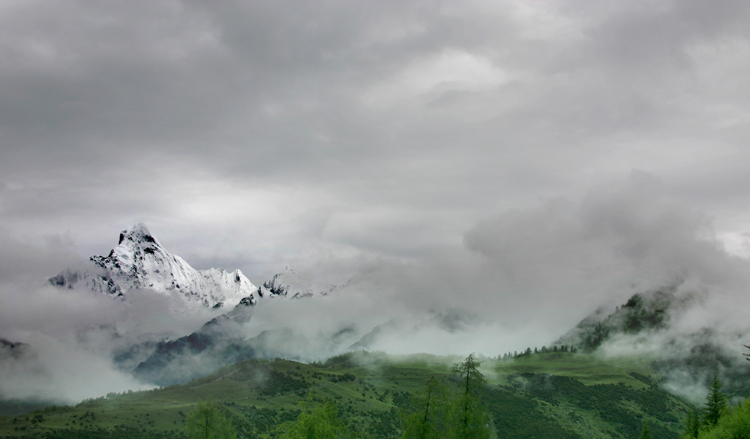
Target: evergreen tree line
x,y
543,350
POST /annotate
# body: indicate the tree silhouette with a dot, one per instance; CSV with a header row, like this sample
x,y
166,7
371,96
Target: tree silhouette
x,y
440,412
716,402
692,424
473,419
432,414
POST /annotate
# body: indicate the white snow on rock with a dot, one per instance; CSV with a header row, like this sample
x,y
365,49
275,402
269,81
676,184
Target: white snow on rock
x,y
140,262
287,284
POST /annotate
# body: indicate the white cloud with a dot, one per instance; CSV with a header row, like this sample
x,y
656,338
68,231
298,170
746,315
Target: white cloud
x,y
450,70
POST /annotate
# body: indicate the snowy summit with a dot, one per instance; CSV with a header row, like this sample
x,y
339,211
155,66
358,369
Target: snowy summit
x,y
139,261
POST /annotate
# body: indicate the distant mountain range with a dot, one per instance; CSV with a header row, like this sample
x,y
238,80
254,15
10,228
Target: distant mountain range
x,y
644,324
140,262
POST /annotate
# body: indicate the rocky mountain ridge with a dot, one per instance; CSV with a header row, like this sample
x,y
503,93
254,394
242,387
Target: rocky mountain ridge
x,y
223,341
286,284
139,261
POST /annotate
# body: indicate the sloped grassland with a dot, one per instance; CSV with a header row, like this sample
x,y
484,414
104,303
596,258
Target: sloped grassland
x,y
551,395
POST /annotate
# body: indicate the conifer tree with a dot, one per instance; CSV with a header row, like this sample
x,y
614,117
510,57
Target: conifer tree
x,y
431,415
692,425
440,412
472,419
645,432
716,402
734,424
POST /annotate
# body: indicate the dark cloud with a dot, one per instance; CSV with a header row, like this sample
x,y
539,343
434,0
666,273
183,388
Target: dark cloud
x,y
388,108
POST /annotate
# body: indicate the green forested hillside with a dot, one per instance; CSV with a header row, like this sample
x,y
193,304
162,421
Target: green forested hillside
x,y
551,395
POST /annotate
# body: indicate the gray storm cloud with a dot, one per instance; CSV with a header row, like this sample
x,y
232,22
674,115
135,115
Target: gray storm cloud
x,y
264,133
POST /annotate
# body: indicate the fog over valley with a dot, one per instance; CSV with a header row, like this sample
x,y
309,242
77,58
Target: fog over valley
x,y
523,278
188,186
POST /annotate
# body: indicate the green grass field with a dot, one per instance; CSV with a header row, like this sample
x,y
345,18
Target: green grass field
x,y
588,369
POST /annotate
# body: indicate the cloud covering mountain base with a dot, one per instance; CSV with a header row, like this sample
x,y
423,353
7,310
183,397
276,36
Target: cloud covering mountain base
x,y
521,279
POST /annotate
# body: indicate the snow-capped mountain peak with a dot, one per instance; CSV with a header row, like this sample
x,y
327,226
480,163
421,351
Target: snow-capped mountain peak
x,y
286,284
139,261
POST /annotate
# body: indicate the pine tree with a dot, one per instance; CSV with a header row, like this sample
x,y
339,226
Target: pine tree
x,y
431,414
645,432
734,424
207,421
472,420
716,402
692,425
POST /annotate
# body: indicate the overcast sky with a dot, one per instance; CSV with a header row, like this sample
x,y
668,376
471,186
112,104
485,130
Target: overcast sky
x,y
326,135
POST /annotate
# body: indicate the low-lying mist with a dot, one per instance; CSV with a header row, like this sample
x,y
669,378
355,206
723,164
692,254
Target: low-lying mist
x,y
521,279
69,338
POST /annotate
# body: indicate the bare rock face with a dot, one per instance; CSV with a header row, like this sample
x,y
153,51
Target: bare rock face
x,y
139,261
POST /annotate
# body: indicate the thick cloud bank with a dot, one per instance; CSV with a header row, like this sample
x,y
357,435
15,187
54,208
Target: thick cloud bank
x,y
69,335
525,277
543,269
522,278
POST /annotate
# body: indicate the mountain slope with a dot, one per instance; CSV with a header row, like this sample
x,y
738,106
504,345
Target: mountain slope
x,y
406,326
650,311
223,341
554,396
139,261
651,325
